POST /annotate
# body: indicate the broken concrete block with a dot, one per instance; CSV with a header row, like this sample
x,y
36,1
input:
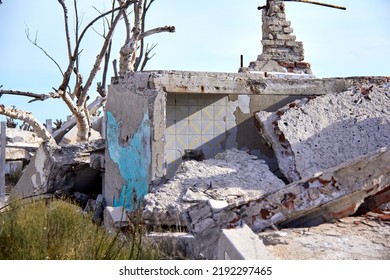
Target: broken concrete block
x,y
229,178
314,134
326,196
115,218
241,244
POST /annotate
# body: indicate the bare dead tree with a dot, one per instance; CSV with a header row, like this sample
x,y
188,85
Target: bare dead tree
x,y
76,99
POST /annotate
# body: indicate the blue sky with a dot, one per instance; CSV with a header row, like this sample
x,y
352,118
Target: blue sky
x,y
210,36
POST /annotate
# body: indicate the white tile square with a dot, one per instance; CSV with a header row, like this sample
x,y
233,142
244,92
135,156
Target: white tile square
x,y
170,128
194,141
194,127
207,141
219,127
208,113
170,156
182,127
170,142
207,99
195,112
207,127
181,99
181,113
220,100
181,143
219,113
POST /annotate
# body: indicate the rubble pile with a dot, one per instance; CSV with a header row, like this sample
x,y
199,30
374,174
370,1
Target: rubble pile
x,y
232,177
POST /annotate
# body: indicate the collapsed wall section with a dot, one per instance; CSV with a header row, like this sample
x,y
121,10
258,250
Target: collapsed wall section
x,y
313,134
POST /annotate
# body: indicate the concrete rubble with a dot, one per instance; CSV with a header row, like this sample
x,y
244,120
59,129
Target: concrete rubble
x,y
314,134
326,196
231,178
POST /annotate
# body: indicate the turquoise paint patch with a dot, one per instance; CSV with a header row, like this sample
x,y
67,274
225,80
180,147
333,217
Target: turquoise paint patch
x,y
133,160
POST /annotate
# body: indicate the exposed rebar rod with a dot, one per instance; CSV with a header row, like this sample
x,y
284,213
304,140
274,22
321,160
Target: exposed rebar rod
x,y
318,3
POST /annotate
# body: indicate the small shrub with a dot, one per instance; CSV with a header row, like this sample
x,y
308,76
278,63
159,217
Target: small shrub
x,y
59,230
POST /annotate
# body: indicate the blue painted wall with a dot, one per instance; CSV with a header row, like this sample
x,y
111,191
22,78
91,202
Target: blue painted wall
x,y
133,160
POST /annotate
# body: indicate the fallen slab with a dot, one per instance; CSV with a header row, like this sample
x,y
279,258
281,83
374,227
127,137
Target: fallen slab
x,y
231,177
314,134
326,196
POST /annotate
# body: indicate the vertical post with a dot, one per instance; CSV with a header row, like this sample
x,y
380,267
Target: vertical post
x,y
103,126
49,125
241,61
3,142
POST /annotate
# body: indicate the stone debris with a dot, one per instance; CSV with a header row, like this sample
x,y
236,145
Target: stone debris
x,y
350,238
231,177
115,218
326,196
314,134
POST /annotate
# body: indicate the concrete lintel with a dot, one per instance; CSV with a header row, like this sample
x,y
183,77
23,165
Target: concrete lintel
x,y
185,82
243,83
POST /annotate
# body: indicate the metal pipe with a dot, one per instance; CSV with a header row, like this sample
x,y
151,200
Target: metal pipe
x,y
317,3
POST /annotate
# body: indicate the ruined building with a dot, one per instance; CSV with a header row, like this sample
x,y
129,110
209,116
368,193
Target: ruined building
x,y
277,147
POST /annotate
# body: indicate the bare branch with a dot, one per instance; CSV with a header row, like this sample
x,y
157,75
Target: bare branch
x,y
66,22
147,57
157,30
98,61
77,25
28,118
36,96
34,42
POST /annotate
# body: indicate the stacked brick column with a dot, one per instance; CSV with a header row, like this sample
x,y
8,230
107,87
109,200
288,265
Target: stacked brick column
x,y
279,45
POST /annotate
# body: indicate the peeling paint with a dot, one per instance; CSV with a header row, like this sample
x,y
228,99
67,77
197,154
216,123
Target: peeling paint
x,y
133,160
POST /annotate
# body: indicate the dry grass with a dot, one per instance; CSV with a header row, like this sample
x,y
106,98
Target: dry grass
x,y
59,230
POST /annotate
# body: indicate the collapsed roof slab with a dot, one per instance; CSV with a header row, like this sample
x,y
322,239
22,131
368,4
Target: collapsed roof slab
x,y
314,134
326,196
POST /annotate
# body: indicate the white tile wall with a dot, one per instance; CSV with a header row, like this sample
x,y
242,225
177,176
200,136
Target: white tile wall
x,y
198,121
